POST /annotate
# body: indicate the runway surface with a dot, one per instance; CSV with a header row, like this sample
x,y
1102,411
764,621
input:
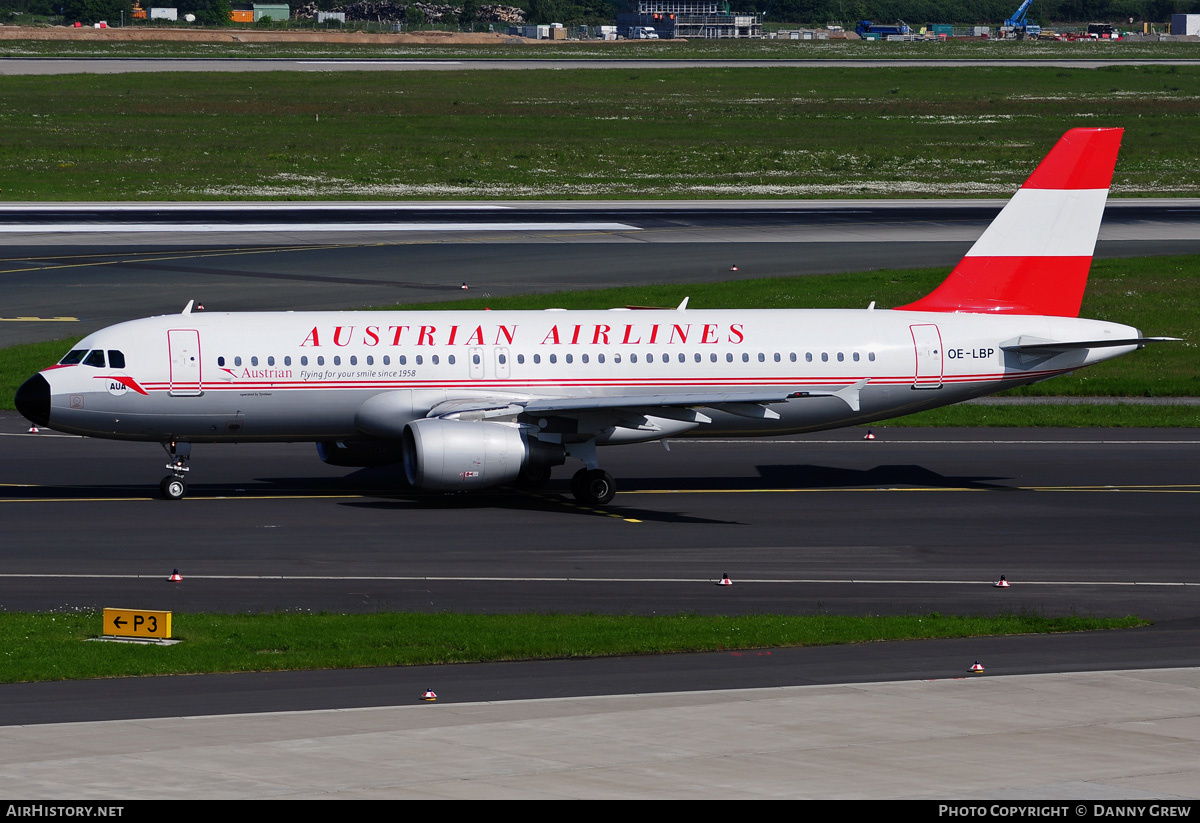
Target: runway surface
x,y
103,65
61,284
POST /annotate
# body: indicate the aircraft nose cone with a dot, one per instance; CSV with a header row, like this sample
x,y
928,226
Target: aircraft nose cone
x,y
33,400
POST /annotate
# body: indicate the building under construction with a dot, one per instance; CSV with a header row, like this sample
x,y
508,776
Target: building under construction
x,y
688,18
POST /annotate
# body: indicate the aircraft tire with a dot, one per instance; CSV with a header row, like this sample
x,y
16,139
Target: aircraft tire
x,y
593,487
173,488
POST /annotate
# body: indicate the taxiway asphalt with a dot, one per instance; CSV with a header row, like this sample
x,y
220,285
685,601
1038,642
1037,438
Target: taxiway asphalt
x,y
914,521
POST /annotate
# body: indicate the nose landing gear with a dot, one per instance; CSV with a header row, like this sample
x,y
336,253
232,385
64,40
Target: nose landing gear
x,y
174,486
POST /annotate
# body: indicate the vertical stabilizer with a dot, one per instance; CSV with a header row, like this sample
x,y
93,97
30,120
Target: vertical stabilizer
x,y
1035,256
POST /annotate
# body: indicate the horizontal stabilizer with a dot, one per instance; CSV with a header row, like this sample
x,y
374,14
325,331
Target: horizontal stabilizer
x,y
1049,347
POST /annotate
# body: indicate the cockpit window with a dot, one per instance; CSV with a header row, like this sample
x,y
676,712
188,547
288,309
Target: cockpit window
x,y
116,359
95,358
72,357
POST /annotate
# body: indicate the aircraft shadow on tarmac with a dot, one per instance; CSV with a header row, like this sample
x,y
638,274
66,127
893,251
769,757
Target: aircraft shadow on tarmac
x,y
550,501
887,476
389,490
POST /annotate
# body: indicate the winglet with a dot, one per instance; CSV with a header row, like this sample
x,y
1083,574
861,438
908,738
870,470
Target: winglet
x,y
188,308
1035,256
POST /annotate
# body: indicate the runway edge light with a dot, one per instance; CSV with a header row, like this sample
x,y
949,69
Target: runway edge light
x,y
429,695
725,581
1002,583
978,667
175,577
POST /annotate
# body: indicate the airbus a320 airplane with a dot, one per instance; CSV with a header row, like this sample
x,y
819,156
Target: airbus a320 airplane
x,y
471,399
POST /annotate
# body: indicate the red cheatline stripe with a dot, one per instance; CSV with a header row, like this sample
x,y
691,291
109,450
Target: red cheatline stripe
x,y
1082,159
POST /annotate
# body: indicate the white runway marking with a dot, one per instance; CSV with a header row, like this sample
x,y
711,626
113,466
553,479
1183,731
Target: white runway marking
x,y
307,228
223,207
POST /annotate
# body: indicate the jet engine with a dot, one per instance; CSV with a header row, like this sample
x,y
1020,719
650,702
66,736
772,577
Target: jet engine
x,y
450,455
359,453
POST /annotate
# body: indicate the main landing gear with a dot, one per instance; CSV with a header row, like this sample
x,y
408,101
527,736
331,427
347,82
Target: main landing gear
x,y
593,487
174,486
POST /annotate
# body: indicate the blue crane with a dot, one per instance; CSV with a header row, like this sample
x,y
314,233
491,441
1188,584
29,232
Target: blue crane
x,y
1017,24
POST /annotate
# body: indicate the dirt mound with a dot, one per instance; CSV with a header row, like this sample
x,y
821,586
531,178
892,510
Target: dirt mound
x,y
198,35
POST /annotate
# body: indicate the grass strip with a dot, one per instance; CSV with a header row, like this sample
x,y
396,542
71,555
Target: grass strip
x,y
1155,294
584,134
42,647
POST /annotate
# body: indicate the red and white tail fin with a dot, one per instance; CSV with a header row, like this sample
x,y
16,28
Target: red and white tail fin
x,y
1035,256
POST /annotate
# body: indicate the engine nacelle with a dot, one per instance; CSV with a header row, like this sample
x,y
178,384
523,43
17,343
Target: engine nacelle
x,y
452,455
358,453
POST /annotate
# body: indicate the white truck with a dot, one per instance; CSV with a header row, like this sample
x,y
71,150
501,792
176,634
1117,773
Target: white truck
x,y
642,33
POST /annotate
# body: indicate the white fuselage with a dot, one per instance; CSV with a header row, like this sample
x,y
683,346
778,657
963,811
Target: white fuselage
x,y
304,376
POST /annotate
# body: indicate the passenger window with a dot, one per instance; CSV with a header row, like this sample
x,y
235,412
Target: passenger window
x,y
824,357
337,360
287,360
434,359
841,357
808,357
220,361
554,358
584,358
116,359
95,358
762,358
728,357
503,358
370,360
792,357
320,360
402,360
254,360
520,359
856,357
600,358
570,358
353,360
387,360
698,358
633,358
475,359
537,359
713,357
871,356
617,357
73,357
745,357
271,360
304,360
420,360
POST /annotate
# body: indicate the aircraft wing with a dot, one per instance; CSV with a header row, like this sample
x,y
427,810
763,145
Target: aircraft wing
x,y
751,403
